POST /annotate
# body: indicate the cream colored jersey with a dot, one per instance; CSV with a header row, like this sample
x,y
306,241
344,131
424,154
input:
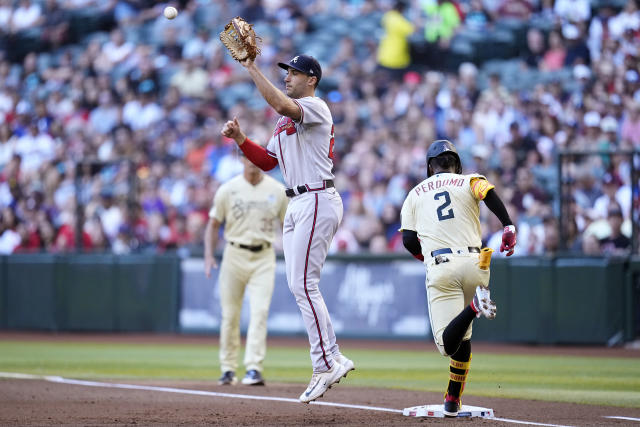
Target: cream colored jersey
x,y
444,211
249,212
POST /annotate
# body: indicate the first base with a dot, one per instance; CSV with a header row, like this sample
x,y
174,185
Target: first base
x,y
436,411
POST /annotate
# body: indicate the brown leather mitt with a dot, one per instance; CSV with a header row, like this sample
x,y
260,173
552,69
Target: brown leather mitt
x,y
241,40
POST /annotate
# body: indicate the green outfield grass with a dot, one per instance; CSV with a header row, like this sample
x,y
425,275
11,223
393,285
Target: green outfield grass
x,y
588,380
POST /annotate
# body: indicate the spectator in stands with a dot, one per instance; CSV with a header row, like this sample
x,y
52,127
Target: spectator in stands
x,y
442,20
393,51
591,245
616,243
572,10
55,30
10,239
514,9
7,144
535,48
170,46
610,185
577,50
527,196
551,242
627,20
477,18
116,50
65,92
253,11
600,30
630,128
27,15
6,11
553,58
191,80
202,45
106,115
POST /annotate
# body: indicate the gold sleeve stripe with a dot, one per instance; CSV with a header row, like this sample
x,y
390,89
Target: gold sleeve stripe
x,y
480,187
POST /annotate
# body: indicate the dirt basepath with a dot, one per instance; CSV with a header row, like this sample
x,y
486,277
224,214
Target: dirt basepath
x,y
35,402
39,402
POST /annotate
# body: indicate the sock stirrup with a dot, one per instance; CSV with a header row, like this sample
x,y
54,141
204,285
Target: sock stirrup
x,y
458,372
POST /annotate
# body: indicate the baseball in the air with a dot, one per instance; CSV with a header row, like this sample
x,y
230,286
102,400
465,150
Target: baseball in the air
x,y
170,12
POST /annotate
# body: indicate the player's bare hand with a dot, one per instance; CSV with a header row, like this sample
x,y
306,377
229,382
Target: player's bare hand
x,y
209,263
231,129
508,240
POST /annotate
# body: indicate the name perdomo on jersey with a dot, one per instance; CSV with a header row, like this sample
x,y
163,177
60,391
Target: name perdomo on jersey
x,y
426,187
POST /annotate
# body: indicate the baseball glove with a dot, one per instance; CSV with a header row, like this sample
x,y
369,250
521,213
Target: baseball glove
x,y
241,40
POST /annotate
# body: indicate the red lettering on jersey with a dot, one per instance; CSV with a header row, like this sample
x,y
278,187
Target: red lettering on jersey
x,y
285,124
430,185
331,142
438,184
417,190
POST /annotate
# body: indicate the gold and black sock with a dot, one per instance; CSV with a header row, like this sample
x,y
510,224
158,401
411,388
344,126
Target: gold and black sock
x,y
459,369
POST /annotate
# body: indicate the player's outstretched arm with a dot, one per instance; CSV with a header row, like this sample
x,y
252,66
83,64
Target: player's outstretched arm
x,y
276,98
495,205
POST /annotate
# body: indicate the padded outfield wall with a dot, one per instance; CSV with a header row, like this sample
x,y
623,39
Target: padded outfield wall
x,y
540,300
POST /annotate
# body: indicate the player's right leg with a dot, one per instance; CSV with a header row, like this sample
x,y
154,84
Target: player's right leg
x,y
231,283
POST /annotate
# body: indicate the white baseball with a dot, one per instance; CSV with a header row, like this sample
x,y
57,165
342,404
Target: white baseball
x,y
170,12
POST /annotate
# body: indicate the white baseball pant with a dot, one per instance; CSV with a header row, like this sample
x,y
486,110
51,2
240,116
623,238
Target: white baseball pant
x,y
310,223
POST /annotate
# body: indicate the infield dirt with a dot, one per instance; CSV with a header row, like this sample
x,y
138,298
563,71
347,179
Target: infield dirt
x,y
39,402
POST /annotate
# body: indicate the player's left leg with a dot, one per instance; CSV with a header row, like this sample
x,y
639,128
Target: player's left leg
x,y
260,290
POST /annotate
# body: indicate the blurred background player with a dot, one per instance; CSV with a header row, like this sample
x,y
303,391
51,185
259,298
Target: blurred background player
x,y
302,144
441,227
248,205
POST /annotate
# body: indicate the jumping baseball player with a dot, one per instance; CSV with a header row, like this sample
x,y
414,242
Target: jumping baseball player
x,y
248,205
441,227
302,144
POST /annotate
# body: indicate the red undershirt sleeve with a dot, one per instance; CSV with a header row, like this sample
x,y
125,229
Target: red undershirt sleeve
x,y
258,155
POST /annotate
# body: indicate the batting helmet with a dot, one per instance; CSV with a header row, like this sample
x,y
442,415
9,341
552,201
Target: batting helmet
x,y
439,147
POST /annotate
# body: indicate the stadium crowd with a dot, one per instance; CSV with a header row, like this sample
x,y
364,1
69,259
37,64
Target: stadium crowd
x,y
119,130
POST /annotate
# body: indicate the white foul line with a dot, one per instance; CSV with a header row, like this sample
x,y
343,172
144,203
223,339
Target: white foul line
x,y
624,418
57,379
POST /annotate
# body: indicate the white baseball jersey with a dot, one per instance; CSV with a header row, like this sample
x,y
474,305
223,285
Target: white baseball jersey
x,y
304,149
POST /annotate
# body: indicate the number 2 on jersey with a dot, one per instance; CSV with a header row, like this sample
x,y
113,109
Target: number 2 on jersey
x,y
442,215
